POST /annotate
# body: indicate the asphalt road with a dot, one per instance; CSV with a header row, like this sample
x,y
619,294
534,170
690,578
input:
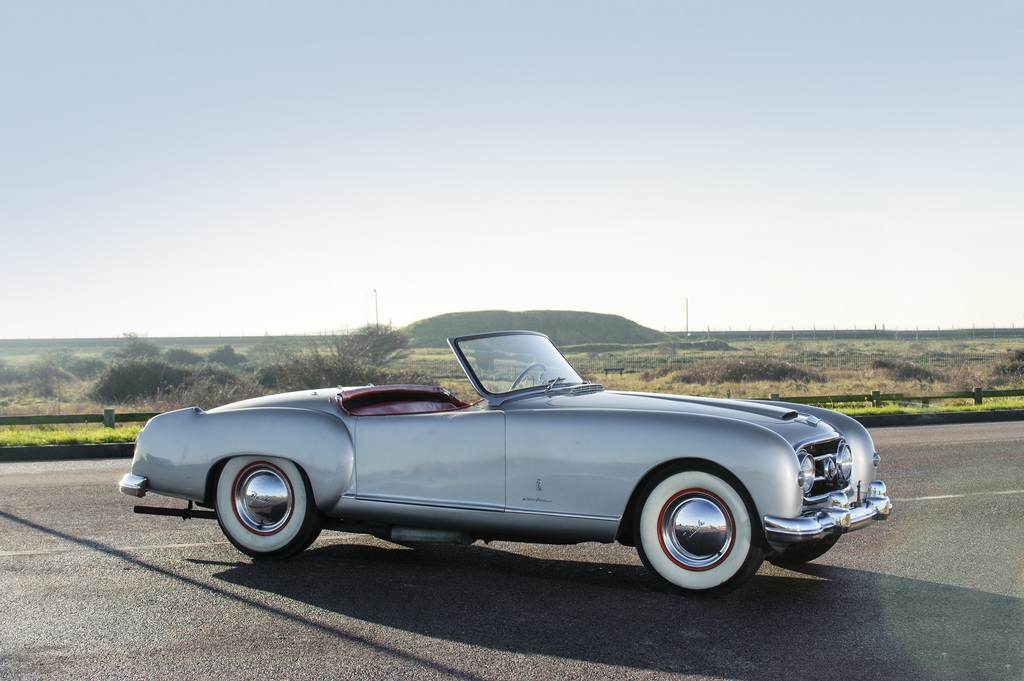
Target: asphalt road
x,y
90,590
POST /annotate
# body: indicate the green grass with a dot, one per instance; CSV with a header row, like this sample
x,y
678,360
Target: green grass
x,y
25,436
988,405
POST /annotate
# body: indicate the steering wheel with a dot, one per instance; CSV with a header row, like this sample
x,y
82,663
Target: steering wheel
x,y
526,371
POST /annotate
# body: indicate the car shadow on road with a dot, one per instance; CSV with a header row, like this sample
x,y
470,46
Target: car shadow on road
x,y
821,622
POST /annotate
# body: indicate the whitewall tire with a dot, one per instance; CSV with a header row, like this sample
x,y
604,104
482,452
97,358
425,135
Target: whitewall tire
x,y
697,532
265,507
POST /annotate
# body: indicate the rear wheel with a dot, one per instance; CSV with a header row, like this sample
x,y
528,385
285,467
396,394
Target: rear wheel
x,y
265,507
697,532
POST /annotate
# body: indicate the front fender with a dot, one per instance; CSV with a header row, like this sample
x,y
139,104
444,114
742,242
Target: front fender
x,y
593,461
177,451
855,434
761,460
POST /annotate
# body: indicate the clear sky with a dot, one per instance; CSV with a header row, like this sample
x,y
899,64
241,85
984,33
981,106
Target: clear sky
x,y
224,168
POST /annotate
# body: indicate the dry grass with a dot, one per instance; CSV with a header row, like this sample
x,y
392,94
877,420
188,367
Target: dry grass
x,y
752,370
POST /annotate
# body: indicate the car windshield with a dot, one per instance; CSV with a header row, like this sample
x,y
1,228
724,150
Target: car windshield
x,y
512,362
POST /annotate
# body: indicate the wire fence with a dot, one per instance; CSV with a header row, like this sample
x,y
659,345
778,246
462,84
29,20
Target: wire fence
x,y
640,362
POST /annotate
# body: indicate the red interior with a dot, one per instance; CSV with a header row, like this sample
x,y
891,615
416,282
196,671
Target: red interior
x,y
397,399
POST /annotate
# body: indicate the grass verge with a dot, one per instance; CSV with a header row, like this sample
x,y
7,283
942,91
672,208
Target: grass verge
x,y
26,436
994,404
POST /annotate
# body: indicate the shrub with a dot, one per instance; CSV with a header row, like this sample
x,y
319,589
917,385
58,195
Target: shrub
x,y
745,371
226,356
905,370
373,344
1011,368
406,376
136,379
699,372
357,358
85,368
137,347
766,369
310,370
183,357
45,380
9,374
214,374
208,391
707,346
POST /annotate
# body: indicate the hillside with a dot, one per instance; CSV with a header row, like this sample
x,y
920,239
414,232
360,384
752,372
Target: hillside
x,y
562,326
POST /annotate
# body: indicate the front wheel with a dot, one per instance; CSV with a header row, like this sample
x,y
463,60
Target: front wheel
x,y
265,507
696,532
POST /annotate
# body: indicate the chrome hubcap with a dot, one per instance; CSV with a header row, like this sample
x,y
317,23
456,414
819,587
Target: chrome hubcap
x,y
696,530
263,498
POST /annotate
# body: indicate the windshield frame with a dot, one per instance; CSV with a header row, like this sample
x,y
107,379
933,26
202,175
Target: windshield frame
x,y
470,365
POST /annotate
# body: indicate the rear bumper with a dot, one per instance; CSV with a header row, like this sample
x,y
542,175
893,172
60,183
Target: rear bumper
x,y
134,485
837,517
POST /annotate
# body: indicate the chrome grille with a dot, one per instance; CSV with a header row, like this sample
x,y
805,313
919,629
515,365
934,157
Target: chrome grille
x,y
827,477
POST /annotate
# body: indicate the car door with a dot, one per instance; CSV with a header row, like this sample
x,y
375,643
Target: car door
x,y
452,459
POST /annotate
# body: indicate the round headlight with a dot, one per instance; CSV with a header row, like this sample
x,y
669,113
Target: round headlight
x,y
876,460
806,477
844,459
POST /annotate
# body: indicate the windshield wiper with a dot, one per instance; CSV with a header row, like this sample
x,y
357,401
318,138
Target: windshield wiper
x,y
552,383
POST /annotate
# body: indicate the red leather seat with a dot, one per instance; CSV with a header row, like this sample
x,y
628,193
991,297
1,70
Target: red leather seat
x,y
397,399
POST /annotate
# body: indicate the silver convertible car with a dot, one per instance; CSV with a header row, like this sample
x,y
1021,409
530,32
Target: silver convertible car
x,y
705,489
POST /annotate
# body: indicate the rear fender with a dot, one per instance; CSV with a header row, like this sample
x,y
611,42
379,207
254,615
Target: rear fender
x,y
181,452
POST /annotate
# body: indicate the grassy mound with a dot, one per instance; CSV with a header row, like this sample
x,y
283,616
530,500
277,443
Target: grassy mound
x,y
562,327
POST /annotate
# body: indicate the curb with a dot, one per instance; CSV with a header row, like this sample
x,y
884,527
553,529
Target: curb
x,y
939,418
117,450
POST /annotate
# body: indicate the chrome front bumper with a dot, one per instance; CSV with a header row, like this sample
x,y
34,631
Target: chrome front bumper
x,y
837,517
134,485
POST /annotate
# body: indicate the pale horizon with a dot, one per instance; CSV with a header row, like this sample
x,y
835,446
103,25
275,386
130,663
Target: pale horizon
x,y
781,331
197,169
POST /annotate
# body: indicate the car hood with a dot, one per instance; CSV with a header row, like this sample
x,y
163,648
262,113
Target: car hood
x,y
794,426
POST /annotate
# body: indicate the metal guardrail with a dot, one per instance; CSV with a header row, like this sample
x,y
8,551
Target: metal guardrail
x,y
108,418
877,398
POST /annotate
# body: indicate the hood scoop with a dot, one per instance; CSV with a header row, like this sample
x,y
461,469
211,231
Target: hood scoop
x,y
755,407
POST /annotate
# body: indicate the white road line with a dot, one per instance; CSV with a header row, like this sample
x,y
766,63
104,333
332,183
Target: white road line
x,y
151,547
962,496
45,552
